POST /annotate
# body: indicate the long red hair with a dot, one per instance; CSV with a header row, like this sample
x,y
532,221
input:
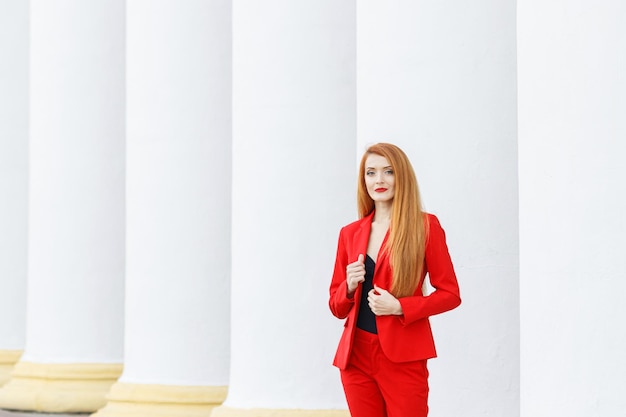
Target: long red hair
x,y
408,230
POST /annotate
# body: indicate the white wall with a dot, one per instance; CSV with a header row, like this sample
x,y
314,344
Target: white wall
x,y
293,188
438,79
13,172
572,61
178,193
76,195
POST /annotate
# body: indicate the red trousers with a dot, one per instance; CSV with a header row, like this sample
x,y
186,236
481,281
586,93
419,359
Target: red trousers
x,y
377,387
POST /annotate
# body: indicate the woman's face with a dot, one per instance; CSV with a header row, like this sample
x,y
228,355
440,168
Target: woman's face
x,y
379,178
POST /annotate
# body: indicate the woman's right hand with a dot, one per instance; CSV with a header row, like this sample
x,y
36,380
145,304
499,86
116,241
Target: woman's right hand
x,y
355,274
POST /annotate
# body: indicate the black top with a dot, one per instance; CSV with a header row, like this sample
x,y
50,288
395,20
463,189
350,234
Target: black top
x,y
366,319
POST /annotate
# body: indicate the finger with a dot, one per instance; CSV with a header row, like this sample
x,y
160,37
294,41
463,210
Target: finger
x,y
374,309
356,278
361,258
356,274
355,266
378,289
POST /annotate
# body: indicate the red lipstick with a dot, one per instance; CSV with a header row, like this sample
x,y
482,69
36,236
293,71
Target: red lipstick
x,y
380,190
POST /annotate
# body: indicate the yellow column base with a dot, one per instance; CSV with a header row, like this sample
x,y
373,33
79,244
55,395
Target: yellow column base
x,y
8,359
59,388
143,400
265,412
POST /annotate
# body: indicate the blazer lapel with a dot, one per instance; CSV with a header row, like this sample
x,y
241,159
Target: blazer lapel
x,y
362,237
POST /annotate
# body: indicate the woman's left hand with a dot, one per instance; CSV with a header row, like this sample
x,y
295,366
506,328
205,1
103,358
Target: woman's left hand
x,y
383,303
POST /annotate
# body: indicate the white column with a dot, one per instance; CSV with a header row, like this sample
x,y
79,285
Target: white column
x,y
178,209
73,349
572,61
13,181
438,80
293,188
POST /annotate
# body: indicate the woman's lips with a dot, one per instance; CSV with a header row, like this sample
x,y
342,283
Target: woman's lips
x,y
380,190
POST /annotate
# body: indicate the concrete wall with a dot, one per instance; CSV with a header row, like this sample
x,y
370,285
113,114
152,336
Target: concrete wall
x,y
293,186
572,61
76,182
438,79
13,172
178,193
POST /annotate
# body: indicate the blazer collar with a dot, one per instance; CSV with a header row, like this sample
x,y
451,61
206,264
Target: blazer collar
x,y
362,235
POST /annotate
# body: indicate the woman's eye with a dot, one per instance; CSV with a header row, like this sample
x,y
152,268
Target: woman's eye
x,y
389,172
369,173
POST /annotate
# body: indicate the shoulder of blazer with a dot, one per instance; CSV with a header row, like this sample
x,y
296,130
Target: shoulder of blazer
x,y
357,224
432,223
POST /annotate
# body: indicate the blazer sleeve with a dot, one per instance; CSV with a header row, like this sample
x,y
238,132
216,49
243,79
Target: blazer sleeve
x,y
339,303
446,295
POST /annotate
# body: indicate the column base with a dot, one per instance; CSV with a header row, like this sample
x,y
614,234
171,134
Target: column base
x,y
59,388
140,400
8,359
266,412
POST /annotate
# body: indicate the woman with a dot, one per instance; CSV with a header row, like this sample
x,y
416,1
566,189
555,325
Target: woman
x,y
382,260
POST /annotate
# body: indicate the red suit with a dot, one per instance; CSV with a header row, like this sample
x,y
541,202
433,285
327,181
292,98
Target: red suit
x,y
404,338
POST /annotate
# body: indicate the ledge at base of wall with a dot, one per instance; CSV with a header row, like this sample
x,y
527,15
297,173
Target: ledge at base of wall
x,y
59,388
135,400
261,412
8,359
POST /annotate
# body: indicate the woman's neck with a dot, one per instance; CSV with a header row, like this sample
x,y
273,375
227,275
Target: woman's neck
x,y
382,213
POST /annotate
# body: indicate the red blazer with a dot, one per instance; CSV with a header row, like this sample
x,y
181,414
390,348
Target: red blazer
x,y
402,338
